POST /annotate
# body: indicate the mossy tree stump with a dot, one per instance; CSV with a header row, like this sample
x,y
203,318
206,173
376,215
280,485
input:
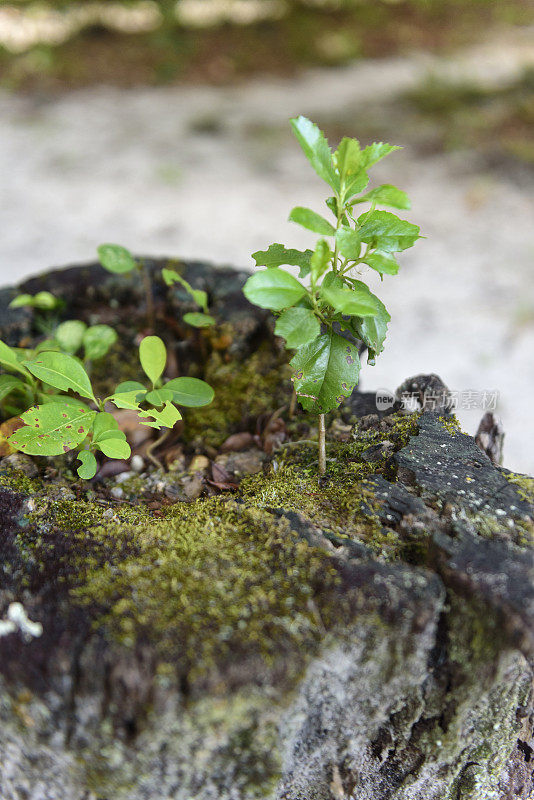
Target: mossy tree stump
x,y
370,638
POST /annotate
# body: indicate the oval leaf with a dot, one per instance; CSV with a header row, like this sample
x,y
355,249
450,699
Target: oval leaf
x,y
190,392
198,320
116,259
356,302
97,341
312,221
62,372
297,326
87,470
386,231
384,263
53,429
316,149
8,359
274,289
114,447
153,357
69,335
325,371
349,243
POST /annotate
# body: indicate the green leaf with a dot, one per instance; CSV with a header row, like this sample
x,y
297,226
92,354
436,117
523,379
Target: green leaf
x,y
198,320
332,281
312,221
277,255
97,341
320,259
348,242
114,447
386,195
356,183
375,152
190,392
384,263
297,326
386,231
348,158
53,429
9,359
129,400
116,259
8,384
373,330
21,300
153,357
69,335
316,149
167,417
273,288
103,424
130,386
358,302
62,372
45,301
325,371
87,470
200,297
158,397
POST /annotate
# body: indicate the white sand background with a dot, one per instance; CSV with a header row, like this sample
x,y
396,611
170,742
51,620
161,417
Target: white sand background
x,y
127,166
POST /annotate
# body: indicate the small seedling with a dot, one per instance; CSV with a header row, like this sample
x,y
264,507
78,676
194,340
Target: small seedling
x,y
323,320
195,318
120,261
67,423
43,301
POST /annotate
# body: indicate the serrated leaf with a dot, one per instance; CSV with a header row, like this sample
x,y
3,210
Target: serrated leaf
x,y
129,400
69,335
386,231
326,370
190,392
9,359
157,397
373,330
198,320
384,263
311,220
8,384
356,184
167,417
114,447
358,302
97,340
63,372
273,288
277,255
88,467
297,326
153,357
316,149
375,152
348,243
116,259
52,429
386,195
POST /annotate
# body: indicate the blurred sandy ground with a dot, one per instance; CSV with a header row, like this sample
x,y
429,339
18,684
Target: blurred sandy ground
x,y
211,173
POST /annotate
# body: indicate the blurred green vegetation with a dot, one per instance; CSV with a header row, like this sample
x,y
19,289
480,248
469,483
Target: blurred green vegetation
x,y
305,34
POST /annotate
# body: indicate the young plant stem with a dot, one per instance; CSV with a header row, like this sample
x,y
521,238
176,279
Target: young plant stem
x,y
149,297
322,445
293,405
150,450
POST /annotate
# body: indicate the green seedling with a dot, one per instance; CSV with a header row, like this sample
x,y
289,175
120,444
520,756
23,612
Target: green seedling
x,y
120,261
67,423
19,391
198,319
324,318
46,308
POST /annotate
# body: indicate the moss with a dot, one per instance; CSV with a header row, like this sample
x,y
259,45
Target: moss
x,y
524,485
451,424
243,392
17,481
210,581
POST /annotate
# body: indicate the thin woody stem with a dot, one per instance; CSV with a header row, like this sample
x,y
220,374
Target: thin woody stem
x,y
322,445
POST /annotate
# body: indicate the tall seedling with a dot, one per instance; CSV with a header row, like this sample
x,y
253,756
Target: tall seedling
x,y
322,318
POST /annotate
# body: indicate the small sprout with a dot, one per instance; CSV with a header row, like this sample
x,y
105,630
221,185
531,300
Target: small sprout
x,y
194,318
43,301
323,318
119,260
